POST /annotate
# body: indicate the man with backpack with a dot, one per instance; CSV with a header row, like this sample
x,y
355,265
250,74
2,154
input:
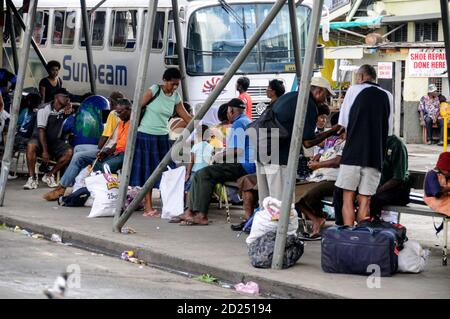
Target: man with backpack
x,y
271,172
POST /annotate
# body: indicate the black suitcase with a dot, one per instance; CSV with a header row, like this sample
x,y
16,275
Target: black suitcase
x,y
359,250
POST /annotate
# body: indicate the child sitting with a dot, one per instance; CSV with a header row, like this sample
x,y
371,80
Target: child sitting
x,y
201,155
437,186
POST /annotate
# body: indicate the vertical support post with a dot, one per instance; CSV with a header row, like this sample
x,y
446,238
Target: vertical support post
x,y
446,27
295,38
136,111
22,24
397,97
445,137
12,37
2,24
119,221
24,54
297,135
87,40
180,49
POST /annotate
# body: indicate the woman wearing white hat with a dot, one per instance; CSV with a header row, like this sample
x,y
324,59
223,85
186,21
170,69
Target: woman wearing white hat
x,y
429,111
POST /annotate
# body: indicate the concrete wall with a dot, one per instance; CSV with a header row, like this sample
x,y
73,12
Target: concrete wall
x,y
411,7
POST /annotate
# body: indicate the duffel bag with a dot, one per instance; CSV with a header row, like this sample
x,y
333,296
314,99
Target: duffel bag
x,y
359,250
398,229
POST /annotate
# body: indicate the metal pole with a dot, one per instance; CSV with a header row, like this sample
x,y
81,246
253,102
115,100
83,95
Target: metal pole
x,y
297,135
96,7
22,24
24,54
135,112
87,40
12,37
295,38
209,101
2,24
398,97
180,49
446,27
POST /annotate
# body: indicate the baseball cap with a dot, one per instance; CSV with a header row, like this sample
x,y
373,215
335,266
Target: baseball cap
x,y
62,91
323,83
236,103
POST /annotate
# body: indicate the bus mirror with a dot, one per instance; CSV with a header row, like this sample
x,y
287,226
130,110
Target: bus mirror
x,y
319,59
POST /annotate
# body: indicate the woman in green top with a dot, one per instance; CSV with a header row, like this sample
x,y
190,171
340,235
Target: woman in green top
x,y
152,142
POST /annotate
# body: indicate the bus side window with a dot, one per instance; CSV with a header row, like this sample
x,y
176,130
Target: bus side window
x,y
17,27
158,31
64,27
41,27
97,24
124,29
171,50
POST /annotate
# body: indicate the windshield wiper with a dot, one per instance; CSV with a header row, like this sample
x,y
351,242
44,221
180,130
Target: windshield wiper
x,y
228,9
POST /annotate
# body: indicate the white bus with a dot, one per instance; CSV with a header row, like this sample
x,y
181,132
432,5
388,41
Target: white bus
x,y
213,33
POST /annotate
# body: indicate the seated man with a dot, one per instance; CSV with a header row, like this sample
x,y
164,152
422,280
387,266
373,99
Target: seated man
x,y
27,121
238,162
320,184
46,140
114,155
394,186
83,158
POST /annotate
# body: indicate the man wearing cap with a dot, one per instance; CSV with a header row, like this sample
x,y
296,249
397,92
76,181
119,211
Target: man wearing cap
x,y
46,140
235,162
271,173
367,116
429,111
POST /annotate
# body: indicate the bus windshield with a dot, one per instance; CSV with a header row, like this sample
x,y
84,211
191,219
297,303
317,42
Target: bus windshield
x,y
217,34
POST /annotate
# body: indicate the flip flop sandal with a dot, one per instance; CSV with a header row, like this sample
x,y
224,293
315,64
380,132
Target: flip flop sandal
x,y
175,220
191,223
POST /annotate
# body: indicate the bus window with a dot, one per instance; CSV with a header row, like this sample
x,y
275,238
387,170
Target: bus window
x,y
17,27
158,31
171,50
124,29
64,27
97,24
41,27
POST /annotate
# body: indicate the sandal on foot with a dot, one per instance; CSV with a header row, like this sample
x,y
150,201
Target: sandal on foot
x,y
152,213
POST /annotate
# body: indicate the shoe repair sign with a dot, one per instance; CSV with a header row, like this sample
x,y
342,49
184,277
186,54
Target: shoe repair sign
x,y
426,63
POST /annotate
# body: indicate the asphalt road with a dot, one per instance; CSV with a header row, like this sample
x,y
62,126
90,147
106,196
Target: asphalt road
x,y
27,266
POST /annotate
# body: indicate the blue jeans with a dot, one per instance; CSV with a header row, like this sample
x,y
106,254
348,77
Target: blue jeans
x,y
83,155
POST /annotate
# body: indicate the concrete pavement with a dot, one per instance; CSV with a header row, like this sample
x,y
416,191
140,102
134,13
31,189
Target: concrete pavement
x,y
216,250
28,266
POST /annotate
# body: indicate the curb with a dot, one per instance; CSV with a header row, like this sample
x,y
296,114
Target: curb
x,y
154,258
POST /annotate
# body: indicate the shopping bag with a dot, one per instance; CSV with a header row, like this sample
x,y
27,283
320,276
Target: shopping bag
x,y
81,178
104,188
172,192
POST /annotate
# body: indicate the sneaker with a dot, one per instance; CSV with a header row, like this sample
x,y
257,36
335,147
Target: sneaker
x,y
31,183
440,143
50,181
429,143
54,194
11,177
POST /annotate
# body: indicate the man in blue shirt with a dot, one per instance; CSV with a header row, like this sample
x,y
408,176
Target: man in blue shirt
x,y
231,164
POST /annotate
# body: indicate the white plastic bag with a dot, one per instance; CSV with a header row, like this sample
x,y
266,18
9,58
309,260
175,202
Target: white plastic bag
x,y
105,190
412,258
172,192
266,220
80,179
